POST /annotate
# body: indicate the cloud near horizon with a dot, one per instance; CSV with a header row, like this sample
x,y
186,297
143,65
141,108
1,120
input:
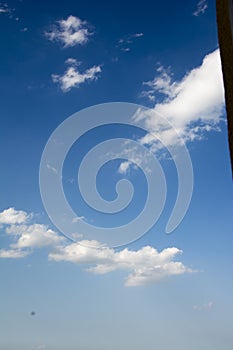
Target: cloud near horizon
x,y
144,267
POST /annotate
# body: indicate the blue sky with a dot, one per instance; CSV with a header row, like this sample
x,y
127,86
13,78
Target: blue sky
x,y
154,290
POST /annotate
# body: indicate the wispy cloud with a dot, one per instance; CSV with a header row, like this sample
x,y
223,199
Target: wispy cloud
x,y
143,267
202,6
13,253
203,307
69,32
193,105
4,8
124,44
8,11
73,77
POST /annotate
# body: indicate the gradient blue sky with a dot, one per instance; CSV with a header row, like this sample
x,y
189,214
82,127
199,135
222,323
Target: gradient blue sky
x,y
142,295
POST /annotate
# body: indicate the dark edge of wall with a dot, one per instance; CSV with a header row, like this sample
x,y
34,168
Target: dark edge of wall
x,y
224,21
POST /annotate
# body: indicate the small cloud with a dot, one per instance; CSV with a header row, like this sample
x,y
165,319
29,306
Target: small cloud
x,y
40,347
125,42
50,167
25,29
125,49
72,62
69,32
124,167
74,78
13,253
78,218
203,307
115,59
202,6
5,9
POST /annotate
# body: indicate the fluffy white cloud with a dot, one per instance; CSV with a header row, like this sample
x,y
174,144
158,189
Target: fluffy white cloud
x,y
145,266
34,236
73,77
192,106
69,32
12,216
26,235
202,6
124,167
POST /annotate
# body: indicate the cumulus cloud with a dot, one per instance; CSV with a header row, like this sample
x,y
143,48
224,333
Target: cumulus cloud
x,y
144,266
193,105
73,77
69,32
202,6
25,234
33,236
12,216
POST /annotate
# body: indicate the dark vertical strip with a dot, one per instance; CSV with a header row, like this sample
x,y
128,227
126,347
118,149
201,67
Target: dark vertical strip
x,y
225,36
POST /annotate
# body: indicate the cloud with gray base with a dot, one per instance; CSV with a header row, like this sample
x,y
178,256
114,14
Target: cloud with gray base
x,y
143,267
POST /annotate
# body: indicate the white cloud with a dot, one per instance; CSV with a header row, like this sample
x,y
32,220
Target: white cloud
x,y
51,168
4,8
78,218
202,6
162,83
25,234
203,307
69,32
193,106
12,216
13,253
72,62
73,77
124,167
8,11
125,42
145,266
34,236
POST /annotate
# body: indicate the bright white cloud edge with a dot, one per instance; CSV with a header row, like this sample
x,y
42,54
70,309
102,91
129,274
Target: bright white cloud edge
x,y
144,267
